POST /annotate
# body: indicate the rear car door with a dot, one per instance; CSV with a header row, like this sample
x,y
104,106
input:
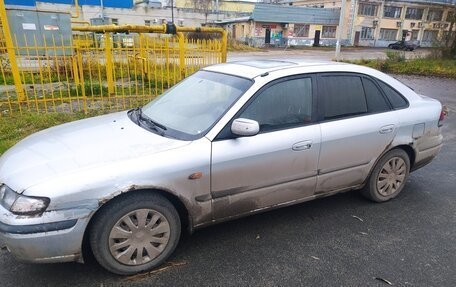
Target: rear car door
x,y
356,127
279,164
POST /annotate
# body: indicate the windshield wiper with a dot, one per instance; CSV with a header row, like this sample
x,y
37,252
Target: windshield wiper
x,y
149,120
144,120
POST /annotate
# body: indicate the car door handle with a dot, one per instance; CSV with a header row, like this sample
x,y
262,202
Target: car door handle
x,y
386,129
302,145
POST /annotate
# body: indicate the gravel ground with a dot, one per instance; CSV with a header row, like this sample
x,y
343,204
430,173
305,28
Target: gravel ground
x,y
318,54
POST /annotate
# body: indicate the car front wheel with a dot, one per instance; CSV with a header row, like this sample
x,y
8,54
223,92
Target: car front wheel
x,y
135,233
388,177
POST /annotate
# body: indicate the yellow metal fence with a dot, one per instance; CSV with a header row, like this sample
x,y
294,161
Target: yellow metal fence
x,y
101,68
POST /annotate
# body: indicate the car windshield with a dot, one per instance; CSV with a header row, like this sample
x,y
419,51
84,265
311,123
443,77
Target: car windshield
x,y
192,107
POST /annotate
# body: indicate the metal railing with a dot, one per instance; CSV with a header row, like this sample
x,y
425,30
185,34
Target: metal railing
x,y
101,68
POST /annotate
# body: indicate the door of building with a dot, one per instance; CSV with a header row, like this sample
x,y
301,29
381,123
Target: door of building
x,y
267,37
404,35
357,34
317,38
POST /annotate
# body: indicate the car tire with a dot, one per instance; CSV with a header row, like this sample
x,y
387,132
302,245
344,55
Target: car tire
x,y
135,233
388,177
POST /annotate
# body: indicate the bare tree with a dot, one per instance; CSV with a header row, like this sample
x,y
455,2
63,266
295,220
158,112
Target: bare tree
x,y
205,6
448,41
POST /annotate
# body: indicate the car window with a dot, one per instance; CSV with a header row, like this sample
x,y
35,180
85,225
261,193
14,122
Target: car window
x,y
396,100
285,104
375,101
190,108
343,96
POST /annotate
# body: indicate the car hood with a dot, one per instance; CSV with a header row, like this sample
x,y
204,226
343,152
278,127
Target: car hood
x,y
78,145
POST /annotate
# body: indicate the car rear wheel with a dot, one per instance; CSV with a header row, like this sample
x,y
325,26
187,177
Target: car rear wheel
x,y
135,233
388,177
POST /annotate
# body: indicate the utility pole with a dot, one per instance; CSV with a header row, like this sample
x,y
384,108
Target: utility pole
x,y
172,11
102,10
340,28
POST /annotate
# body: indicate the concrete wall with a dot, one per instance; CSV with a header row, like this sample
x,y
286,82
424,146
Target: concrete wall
x,y
139,14
254,33
106,3
234,6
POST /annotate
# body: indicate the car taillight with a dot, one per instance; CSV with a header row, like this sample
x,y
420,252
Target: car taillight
x,y
442,117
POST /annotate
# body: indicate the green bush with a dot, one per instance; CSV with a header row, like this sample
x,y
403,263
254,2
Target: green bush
x,y
429,66
395,56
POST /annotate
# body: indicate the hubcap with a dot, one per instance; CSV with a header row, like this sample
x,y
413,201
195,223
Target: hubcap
x,y
391,176
139,237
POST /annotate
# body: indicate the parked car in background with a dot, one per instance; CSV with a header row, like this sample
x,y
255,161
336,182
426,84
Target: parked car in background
x,y
404,45
231,140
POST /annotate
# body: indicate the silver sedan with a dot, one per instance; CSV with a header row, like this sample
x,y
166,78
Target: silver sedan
x,y
230,140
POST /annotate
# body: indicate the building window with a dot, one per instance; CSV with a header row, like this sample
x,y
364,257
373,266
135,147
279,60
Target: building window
x,y
367,9
147,22
448,34
392,12
414,35
430,35
388,34
329,32
414,13
450,17
367,33
435,15
115,21
301,30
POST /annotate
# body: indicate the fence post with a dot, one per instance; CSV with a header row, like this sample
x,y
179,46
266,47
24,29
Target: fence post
x,y
74,61
168,76
224,45
181,38
81,80
143,56
11,53
109,63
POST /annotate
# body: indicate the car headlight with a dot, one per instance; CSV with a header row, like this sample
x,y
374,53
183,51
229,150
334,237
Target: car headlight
x,y
21,204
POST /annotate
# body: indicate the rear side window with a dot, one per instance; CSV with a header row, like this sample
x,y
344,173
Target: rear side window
x,y
343,96
396,100
282,105
376,102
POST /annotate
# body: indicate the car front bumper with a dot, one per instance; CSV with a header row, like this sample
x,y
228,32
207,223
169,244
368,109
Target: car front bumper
x,y
55,236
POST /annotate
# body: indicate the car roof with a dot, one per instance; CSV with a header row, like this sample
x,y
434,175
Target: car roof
x,y
255,68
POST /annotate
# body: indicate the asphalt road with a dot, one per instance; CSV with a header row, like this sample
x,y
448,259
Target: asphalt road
x,y
343,240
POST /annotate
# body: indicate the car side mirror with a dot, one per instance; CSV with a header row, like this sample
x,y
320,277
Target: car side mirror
x,y
245,127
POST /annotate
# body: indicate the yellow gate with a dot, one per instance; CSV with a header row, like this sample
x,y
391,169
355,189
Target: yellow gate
x,y
103,67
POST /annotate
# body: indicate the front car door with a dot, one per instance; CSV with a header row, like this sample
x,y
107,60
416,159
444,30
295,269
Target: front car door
x,y
357,126
278,165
